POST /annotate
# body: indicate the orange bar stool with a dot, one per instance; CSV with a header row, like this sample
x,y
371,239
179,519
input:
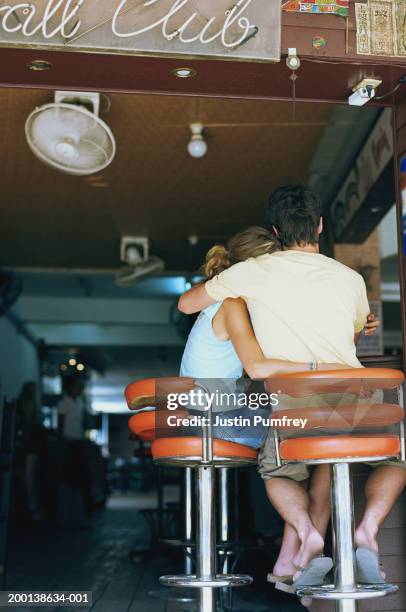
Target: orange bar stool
x,y
354,444
203,455
142,426
142,394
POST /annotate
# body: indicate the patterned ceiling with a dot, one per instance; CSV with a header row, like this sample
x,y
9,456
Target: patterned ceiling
x,y
48,219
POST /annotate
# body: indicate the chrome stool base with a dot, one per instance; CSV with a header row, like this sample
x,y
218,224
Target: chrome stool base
x,y
219,581
174,595
361,591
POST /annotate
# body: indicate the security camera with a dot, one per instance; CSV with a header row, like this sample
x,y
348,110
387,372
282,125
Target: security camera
x,y
361,96
363,92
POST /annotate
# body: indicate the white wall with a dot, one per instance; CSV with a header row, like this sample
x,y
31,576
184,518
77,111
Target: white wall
x,y
18,360
388,234
93,321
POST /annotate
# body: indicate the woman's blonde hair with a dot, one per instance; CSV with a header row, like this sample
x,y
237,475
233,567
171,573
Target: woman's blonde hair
x,y
251,242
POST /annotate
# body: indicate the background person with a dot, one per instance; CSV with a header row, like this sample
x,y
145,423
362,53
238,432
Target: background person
x,y
70,409
34,443
75,482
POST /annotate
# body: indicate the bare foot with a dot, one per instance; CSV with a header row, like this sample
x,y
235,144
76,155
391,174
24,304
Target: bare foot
x,y
306,601
312,546
283,568
365,536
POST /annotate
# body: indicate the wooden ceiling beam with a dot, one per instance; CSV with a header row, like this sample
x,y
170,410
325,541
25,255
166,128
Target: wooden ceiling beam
x,y
317,81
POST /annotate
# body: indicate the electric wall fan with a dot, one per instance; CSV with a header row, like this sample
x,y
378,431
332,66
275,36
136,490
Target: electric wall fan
x,y
69,135
138,263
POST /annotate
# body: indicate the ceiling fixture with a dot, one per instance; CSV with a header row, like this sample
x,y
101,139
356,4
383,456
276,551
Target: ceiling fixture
x,y
39,65
69,135
184,73
293,61
134,253
193,239
197,146
363,92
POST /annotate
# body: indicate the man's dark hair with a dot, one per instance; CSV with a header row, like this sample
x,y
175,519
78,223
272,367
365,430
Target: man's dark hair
x,y
294,210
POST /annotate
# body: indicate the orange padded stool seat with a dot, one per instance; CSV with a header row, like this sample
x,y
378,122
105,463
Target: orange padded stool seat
x,y
150,391
345,417
193,447
339,447
353,380
142,425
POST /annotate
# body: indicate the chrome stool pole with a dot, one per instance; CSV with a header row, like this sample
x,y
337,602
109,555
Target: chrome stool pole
x,y
343,530
224,508
188,518
206,535
224,486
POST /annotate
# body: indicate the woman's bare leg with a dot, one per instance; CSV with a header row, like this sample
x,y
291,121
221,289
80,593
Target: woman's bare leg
x,y
289,549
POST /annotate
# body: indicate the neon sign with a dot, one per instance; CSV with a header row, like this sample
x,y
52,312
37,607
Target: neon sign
x,y
243,29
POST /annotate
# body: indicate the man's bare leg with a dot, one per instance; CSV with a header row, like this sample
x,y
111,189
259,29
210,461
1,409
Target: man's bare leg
x,y
320,498
382,489
292,502
319,511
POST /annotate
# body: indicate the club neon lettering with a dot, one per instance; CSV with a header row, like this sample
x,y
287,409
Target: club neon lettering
x,y
62,18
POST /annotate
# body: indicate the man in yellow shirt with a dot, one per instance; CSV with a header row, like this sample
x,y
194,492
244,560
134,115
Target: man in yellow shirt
x,y
303,307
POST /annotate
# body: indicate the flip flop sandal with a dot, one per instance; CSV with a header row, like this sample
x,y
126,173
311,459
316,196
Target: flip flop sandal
x,y
368,568
286,587
288,578
314,573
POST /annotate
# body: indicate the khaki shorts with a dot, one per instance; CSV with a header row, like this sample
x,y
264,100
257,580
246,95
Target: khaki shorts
x,y
267,465
268,468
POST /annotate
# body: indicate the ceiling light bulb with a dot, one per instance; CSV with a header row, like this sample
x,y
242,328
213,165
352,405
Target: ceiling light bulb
x,y
197,146
184,73
39,65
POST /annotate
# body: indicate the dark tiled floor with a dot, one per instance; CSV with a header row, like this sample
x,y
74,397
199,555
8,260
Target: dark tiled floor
x,y
97,559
